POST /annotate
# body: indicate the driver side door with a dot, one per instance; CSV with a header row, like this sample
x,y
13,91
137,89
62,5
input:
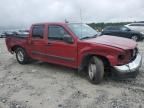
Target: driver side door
x,y
58,51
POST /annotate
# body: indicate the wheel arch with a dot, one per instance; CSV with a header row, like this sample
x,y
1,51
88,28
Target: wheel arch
x,y
15,47
87,57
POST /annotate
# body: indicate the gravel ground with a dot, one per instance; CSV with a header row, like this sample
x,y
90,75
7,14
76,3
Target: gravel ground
x,y
43,85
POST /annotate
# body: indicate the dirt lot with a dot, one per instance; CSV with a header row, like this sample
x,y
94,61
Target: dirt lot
x,y
43,85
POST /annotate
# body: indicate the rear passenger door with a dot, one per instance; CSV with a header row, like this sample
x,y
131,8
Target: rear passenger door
x,y
38,42
115,31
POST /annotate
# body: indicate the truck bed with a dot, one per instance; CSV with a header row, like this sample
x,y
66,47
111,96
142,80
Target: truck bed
x,y
13,40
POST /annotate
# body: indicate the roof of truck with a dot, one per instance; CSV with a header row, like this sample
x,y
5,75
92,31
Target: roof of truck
x,y
59,23
46,23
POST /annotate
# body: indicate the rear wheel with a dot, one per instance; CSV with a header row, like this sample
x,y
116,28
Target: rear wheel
x,y
95,70
21,56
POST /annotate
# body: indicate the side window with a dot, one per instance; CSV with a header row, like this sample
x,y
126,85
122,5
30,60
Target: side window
x,y
38,31
112,28
140,25
56,32
130,25
136,25
107,28
133,25
117,28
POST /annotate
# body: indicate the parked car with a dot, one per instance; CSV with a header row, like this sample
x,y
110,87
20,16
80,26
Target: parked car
x,y
2,35
77,46
136,27
18,33
122,31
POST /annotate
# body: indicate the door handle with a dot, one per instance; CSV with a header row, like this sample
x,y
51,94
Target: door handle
x,y
49,44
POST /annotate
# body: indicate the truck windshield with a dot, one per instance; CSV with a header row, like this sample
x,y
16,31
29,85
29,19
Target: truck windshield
x,y
83,31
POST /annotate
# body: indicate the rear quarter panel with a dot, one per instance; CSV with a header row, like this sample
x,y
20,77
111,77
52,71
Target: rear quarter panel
x,y
11,42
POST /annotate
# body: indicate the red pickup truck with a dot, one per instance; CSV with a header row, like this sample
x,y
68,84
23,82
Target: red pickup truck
x,y
77,46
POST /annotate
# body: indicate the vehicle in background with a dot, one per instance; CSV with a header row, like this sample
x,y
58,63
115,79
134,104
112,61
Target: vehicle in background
x,y
77,46
18,33
136,27
122,31
2,35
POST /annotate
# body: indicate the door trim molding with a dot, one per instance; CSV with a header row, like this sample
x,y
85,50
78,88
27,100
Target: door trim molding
x,y
53,56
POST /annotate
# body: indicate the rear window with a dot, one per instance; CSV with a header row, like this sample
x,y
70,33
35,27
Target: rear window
x,y
136,25
38,31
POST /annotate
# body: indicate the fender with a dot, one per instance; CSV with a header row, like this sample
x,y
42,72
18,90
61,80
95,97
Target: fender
x,y
108,53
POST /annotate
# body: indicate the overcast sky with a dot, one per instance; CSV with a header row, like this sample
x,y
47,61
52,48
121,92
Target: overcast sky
x,y
19,12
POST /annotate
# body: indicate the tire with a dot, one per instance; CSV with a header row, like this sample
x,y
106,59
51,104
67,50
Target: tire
x,y
21,56
135,37
95,70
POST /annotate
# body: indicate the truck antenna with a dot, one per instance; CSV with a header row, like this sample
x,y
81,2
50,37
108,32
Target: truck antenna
x,y
81,20
81,15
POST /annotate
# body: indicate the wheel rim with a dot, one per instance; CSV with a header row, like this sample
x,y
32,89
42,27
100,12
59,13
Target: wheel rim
x,y
91,70
134,38
20,56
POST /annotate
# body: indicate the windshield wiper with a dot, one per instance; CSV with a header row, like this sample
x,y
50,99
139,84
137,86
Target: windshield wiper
x,y
86,37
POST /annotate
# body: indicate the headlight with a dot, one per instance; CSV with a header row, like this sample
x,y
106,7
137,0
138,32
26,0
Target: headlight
x,y
121,57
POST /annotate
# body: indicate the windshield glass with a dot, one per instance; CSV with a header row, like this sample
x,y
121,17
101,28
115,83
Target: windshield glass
x,y
83,31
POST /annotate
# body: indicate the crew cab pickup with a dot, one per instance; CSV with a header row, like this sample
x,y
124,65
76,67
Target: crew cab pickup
x,y
77,46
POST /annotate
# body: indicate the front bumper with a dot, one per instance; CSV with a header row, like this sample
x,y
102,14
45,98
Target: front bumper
x,y
129,70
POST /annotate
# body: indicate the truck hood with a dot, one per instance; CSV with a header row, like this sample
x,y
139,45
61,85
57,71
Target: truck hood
x,y
118,42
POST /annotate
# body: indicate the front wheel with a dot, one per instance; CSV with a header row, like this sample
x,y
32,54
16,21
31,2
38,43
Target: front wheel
x,y
21,56
95,70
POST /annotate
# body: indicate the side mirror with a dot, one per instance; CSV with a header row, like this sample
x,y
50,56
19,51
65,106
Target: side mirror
x,y
68,39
